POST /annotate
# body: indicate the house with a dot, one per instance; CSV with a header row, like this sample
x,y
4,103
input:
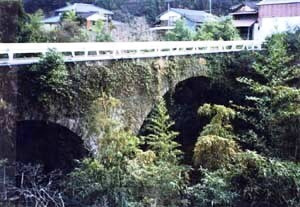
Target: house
x,y
276,16
89,12
244,16
192,18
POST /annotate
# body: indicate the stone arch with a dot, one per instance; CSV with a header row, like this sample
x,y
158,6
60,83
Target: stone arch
x,y
139,105
47,143
136,105
74,124
187,96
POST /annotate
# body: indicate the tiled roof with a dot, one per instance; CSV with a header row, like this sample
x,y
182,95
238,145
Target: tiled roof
x,y
195,15
251,4
265,2
83,8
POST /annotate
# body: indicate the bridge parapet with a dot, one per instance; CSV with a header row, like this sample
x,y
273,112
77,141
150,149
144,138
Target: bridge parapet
x,y
29,53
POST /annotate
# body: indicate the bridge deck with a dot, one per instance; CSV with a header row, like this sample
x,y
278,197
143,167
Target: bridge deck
x,y
29,53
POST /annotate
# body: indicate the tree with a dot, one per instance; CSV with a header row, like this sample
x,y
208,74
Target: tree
x,y
68,31
251,180
50,81
101,34
262,181
220,122
214,152
154,182
214,190
47,6
275,100
69,16
33,31
139,30
217,30
215,147
180,33
102,178
119,173
161,136
156,175
12,20
293,42
109,4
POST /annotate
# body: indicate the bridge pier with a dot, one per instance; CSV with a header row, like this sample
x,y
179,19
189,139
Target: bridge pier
x,y
8,112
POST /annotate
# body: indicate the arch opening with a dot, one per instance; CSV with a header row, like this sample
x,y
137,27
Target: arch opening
x,y
183,103
49,144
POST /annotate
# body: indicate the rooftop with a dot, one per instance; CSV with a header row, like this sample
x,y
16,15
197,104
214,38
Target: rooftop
x,y
266,2
83,8
250,4
195,15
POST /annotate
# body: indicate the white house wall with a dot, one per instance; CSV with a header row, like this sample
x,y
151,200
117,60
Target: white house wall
x,y
170,14
271,25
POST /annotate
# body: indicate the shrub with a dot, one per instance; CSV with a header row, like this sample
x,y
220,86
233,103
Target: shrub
x,y
213,152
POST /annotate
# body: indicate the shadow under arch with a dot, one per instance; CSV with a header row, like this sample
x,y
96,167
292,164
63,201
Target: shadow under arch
x,y
49,144
183,103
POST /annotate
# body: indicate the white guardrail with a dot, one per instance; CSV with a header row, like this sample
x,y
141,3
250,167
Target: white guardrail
x,y
29,53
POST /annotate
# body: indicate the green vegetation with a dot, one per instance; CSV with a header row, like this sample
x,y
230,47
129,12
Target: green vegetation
x,y
179,33
247,152
101,35
237,176
12,21
25,27
19,26
248,149
218,30
161,137
214,30
121,173
275,99
150,8
215,146
51,84
250,180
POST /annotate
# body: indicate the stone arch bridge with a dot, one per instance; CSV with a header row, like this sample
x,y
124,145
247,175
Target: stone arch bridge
x,y
167,63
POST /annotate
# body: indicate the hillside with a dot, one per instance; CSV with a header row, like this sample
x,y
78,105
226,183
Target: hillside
x,y
149,8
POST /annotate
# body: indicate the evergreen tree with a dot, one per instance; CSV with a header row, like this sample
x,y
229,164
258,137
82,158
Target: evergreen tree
x,y
161,137
157,176
276,101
